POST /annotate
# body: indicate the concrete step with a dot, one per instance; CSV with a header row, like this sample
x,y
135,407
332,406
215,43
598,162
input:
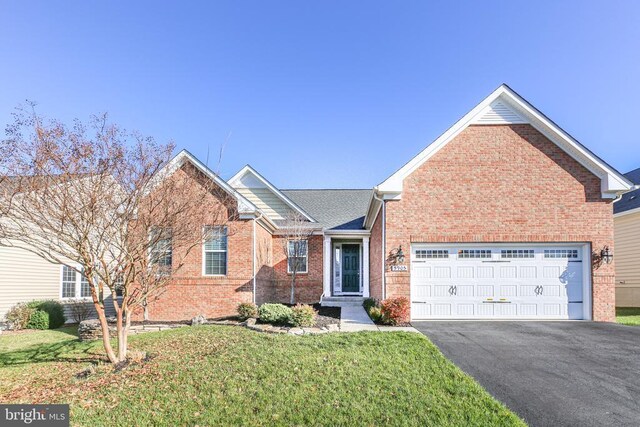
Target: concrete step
x,y
342,301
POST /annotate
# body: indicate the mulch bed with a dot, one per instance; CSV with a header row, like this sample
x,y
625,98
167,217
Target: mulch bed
x,y
326,315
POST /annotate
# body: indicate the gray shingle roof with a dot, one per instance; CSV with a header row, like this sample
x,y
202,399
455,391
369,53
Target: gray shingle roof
x,y
630,200
333,209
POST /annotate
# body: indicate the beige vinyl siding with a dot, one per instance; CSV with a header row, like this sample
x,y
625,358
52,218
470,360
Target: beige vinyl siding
x,y
267,202
25,276
627,259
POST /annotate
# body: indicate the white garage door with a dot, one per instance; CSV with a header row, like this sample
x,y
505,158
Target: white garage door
x,y
499,281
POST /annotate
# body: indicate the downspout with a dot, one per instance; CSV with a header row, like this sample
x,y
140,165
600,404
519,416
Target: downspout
x,y
254,256
384,241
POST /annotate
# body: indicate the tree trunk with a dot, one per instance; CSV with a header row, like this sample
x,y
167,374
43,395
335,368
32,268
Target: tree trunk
x,y
122,337
106,340
293,288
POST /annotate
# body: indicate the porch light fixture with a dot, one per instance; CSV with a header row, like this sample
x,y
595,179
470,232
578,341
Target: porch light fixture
x,y
606,255
399,255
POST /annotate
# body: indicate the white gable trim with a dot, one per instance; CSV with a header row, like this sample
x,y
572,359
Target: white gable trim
x,y
235,182
244,205
505,105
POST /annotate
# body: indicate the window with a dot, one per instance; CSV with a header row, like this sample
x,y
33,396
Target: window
x,y
119,283
74,285
429,253
297,259
561,253
215,251
474,253
517,253
68,282
160,253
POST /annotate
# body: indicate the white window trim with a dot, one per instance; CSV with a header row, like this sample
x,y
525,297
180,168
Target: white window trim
x,y
78,289
306,257
204,253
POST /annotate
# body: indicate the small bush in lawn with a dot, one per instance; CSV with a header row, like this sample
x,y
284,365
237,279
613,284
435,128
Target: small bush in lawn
x,y
368,303
18,316
53,309
80,309
302,315
375,313
395,310
247,310
39,320
274,313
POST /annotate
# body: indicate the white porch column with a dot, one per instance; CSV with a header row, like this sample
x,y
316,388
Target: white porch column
x,y
326,267
365,267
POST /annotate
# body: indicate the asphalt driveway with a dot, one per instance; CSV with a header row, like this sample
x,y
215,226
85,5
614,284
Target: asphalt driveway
x,y
550,373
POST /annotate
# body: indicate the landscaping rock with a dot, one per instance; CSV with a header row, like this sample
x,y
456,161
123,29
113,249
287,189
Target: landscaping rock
x,y
199,320
333,327
296,331
91,330
250,321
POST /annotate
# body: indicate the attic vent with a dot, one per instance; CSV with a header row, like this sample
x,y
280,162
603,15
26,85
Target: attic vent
x,y
499,113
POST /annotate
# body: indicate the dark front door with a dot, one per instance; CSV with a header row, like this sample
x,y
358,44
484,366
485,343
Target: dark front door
x,y
350,268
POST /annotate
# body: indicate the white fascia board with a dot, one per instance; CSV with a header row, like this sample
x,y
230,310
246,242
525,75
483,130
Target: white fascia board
x,y
613,182
244,205
347,233
629,212
248,169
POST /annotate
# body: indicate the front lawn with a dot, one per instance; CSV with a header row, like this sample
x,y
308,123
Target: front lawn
x,y
628,315
213,375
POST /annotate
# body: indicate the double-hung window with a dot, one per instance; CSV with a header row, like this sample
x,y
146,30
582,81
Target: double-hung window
x,y
74,284
298,251
161,250
215,251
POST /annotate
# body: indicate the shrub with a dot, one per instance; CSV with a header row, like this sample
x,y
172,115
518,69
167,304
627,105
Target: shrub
x,y
302,315
274,313
395,310
368,303
18,316
375,313
54,310
39,320
80,310
247,310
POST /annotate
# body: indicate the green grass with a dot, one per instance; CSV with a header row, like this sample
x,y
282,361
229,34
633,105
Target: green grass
x,y
212,375
628,315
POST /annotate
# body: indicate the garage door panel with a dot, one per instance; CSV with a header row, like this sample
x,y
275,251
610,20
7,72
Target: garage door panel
x,y
497,281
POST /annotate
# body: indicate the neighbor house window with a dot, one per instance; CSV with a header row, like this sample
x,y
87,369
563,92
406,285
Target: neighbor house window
x,y
74,284
298,254
215,251
161,251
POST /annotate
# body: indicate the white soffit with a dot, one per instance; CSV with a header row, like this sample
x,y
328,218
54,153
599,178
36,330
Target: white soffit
x,y
504,106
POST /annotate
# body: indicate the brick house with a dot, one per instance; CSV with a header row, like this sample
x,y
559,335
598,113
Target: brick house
x,y
504,215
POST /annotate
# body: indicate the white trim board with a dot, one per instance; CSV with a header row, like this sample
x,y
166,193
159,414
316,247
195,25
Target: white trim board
x,y
505,106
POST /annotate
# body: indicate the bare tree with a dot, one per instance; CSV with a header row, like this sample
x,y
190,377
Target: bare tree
x,y
295,235
109,201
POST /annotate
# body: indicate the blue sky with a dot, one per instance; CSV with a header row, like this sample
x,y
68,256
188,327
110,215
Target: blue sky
x,y
323,94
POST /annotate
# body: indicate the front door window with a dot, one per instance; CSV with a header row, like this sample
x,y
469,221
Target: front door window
x,y
350,268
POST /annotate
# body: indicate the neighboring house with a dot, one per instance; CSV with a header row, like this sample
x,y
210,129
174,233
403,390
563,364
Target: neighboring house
x,y
626,221
498,218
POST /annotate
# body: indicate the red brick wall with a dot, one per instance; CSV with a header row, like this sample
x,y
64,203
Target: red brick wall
x,y
308,285
503,183
375,258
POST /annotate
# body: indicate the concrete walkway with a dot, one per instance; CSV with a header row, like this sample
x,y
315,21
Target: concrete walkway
x,y
355,319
